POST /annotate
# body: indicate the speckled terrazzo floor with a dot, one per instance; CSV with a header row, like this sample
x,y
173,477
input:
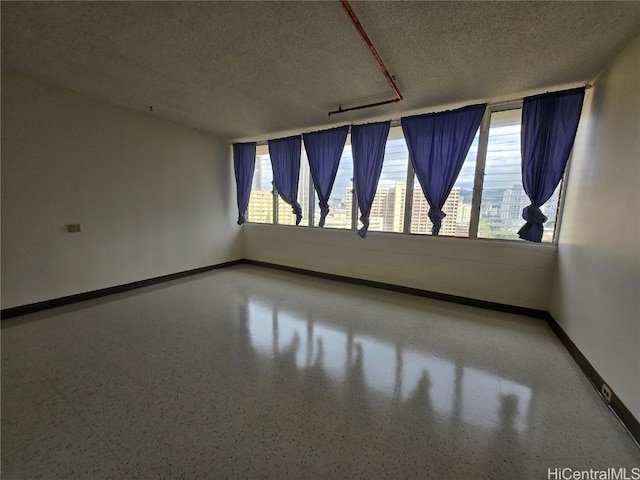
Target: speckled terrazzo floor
x,y
253,373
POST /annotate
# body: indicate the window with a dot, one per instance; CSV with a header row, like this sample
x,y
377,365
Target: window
x,y
503,196
387,210
341,199
285,212
458,204
261,199
497,206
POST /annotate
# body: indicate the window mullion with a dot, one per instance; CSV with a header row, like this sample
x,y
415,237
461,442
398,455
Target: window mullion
x,y
561,200
312,199
408,199
478,180
354,203
274,192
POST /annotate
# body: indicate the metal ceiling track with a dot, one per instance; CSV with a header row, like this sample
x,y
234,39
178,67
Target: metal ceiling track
x,y
365,38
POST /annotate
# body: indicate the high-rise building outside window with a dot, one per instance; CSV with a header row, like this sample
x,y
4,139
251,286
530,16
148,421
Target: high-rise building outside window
x,y
285,211
458,205
341,199
503,197
500,201
387,210
261,199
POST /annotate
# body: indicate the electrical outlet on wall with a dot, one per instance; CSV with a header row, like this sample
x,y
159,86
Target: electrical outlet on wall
x,y
606,392
74,228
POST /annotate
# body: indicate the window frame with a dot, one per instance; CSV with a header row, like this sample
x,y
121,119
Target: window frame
x,y
481,160
476,200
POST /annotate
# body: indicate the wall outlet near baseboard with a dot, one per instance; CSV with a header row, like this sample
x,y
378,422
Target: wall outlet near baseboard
x,y
606,392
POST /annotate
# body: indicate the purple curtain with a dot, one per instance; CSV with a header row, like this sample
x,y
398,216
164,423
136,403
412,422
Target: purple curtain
x,y
285,161
549,125
244,162
367,145
438,144
323,151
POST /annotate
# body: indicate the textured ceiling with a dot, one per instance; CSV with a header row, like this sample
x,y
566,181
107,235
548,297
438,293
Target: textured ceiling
x,y
242,69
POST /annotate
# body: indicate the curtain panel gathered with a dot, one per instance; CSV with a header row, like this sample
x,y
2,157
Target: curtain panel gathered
x,y
285,162
549,125
367,145
244,162
324,150
438,143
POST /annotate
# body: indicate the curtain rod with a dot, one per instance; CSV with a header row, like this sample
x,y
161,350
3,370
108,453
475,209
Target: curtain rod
x,y
587,86
395,122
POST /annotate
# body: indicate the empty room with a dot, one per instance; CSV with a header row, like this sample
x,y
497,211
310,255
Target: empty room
x,y
323,240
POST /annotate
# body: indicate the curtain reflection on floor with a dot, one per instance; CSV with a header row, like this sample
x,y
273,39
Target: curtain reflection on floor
x,y
364,378
369,366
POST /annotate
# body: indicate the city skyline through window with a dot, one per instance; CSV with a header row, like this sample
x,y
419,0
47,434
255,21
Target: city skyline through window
x,y
261,199
341,195
458,205
503,196
387,209
500,202
285,211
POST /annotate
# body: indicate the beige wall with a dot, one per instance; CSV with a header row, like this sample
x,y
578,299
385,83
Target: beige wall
x,y
513,273
153,197
596,297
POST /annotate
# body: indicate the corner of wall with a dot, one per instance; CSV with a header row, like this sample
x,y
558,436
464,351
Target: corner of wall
x,y
594,297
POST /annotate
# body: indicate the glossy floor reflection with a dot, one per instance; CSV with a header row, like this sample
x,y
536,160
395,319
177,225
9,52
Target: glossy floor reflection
x,y
252,373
